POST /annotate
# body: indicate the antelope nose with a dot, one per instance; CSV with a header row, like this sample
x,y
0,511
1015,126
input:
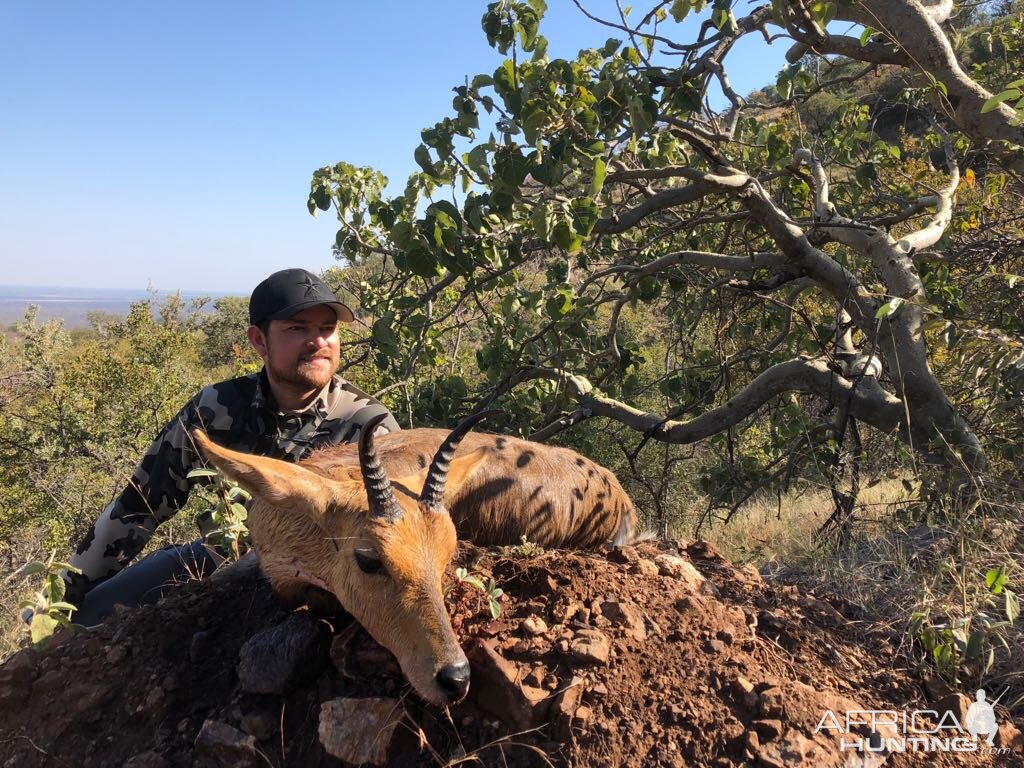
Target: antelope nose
x,y
454,681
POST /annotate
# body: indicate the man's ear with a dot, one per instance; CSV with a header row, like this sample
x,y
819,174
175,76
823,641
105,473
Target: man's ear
x,y
460,471
279,483
258,340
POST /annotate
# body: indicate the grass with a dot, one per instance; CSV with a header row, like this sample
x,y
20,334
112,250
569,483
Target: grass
x,y
892,569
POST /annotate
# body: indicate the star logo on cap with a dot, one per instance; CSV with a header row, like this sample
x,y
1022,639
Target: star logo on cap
x,y
311,287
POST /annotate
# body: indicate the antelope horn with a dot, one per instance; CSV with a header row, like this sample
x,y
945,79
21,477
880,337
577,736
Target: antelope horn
x,y
378,488
433,487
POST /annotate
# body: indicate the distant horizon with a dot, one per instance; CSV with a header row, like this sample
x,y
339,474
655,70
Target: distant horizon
x,y
16,288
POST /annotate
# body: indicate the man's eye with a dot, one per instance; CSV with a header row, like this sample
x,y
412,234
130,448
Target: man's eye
x,y
369,563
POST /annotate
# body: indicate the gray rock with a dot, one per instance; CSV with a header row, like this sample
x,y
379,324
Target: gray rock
x,y
359,731
218,745
276,659
590,647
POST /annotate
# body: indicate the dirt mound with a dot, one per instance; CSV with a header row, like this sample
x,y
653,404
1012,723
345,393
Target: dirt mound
x,y
657,656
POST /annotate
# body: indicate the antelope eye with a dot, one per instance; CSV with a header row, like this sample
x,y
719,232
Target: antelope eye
x,y
369,563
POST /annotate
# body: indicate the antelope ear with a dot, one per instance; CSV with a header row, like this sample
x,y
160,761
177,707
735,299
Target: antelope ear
x,y
277,482
460,471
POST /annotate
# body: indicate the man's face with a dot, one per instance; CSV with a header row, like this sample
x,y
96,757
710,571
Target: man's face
x,y
302,351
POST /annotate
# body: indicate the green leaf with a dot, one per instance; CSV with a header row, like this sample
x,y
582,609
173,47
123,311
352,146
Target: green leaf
x,y
865,36
784,87
55,588
543,221
597,182
890,308
29,569
62,606
999,98
202,473
680,9
585,215
995,580
42,627
975,644
422,157
495,609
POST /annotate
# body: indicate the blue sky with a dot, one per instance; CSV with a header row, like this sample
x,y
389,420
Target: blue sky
x,y
172,144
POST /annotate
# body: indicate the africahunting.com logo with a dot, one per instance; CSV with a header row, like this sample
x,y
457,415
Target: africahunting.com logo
x,y
920,730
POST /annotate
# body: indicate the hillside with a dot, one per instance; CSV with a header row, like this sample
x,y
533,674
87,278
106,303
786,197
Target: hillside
x,y
654,656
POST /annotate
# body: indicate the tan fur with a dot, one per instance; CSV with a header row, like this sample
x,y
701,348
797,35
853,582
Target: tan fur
x,y
308,520
552,495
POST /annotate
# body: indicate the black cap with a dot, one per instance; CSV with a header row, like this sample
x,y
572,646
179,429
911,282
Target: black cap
x,y
288,292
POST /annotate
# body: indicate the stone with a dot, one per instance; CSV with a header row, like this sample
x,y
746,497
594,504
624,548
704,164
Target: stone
x,y
218,745
742,686
644,567
147,759
772,702
499,691
623,555
359,731
625,615
563,710
768,729
1009,737
955,703
533,626
278,658
590,647
563,611
714,646
260,724
362,656
670,565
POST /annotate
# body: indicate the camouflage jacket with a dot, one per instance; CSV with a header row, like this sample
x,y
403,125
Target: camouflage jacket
x,y
239,414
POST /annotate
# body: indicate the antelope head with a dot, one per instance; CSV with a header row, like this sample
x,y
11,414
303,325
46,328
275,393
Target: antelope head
x,y
382,546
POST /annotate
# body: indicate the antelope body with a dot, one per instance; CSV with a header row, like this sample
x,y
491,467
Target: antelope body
x,y
375,524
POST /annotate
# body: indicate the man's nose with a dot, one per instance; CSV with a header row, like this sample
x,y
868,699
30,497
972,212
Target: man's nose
x,y
318,340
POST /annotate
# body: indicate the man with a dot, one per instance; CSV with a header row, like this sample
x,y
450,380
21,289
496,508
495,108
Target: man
x,y
295,404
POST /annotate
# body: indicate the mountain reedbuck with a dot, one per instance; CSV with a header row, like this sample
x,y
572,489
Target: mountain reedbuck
x,y
380,545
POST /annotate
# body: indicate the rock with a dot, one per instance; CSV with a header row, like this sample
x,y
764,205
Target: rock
x,y
563,611
625,555
218,745
590,647
750,571
714,646
626,615
768,729
260,723
147,759
704,550
563,710
742,686
670,565
497,689
277,658
955,703
359,730
116,655
533,626
772,702
644,567
362,656
21,668
1009,737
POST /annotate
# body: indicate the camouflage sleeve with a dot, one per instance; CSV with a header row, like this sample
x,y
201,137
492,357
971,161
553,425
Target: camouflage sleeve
x,y
156,491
